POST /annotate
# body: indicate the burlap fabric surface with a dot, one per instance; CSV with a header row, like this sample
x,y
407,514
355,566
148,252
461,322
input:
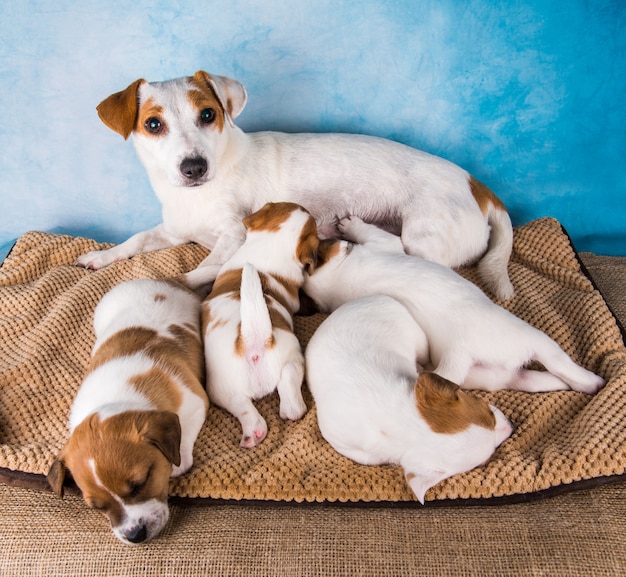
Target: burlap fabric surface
x,y
46,308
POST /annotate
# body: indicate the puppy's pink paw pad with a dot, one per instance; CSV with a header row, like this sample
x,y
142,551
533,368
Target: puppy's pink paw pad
x,y
249,441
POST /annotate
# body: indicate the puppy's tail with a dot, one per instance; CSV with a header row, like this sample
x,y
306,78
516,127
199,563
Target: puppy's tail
x,y
493,266
256,325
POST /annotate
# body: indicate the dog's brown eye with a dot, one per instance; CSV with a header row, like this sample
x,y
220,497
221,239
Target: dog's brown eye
x,y
153,125
207,115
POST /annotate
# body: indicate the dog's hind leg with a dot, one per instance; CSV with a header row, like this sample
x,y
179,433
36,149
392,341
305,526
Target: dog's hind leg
x,y
292,405
252,423
557,362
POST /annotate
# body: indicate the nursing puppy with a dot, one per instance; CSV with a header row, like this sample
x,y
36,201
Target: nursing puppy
x,y
473,342
250,347
374,407
209,175
137,414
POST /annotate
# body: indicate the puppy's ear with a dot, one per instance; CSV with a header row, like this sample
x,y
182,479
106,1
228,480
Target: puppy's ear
x,y
231,93
119,111
308,245
162,429
421,481
446,408
56,476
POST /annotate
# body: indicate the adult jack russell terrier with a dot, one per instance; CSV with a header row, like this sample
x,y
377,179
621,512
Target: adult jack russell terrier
x,y
137,414
375,408
250,347
208,175
473,342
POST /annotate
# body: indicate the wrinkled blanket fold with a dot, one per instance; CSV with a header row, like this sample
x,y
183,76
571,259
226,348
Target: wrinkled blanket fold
x,y
46,336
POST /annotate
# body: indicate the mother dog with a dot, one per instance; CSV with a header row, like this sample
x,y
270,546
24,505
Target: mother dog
x,y
208,175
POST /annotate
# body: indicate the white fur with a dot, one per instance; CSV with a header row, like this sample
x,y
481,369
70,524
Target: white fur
x,y
234,380
361,370
473,342
425,199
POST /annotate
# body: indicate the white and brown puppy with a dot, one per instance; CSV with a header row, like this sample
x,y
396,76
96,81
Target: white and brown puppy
x,y
139,410
374,406
208,175
473,342
250,347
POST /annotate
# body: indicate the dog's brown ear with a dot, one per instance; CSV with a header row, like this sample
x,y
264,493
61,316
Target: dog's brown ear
x,y
446,408
308,245
162,429
56,477
231,93
119,111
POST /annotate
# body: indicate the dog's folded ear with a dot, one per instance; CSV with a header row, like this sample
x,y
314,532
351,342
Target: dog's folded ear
x,y
421,481
162,429
56,477
231,93
119,111
446,408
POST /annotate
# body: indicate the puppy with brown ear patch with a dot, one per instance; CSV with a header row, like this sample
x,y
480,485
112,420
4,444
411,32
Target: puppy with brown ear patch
x,y
139,410
374,406
250,347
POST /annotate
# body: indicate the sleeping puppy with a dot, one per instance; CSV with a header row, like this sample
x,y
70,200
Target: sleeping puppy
x,y
208,175
473,342
250,347
374,407
137,414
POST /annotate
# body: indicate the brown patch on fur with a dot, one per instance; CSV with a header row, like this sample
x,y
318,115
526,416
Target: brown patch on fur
x,y
157,386
149,109
158,298
205,97
271,216
279,321
288,298
484,196
119,111
180,355
306,250
227,282
327,250
447,409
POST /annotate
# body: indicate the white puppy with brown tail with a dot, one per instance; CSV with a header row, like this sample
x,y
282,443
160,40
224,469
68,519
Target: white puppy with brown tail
x,y
374,406
138,412
473,342
209,175
250,347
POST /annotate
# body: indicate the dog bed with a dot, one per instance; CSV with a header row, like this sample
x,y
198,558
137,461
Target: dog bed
x,y
562,440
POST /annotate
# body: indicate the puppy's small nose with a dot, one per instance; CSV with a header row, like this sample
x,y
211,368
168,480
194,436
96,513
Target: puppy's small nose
x,y
194,168
139,536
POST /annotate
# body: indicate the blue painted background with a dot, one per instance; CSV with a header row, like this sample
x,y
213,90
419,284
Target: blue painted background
x,y
528,96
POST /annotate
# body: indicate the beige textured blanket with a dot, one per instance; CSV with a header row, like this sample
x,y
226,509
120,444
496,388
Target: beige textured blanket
x,y
46,308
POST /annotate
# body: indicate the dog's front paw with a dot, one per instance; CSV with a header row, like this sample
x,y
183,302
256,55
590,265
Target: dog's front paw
x,y
96,259
349,227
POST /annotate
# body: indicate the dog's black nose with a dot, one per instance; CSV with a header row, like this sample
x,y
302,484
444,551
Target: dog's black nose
x,y
139,536
194,168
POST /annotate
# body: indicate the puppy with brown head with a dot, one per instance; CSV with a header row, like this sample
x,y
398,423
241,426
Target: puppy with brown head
x,y
139,410
250,347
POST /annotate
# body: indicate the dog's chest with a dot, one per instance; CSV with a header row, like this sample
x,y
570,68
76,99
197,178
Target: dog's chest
x,y
191,216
